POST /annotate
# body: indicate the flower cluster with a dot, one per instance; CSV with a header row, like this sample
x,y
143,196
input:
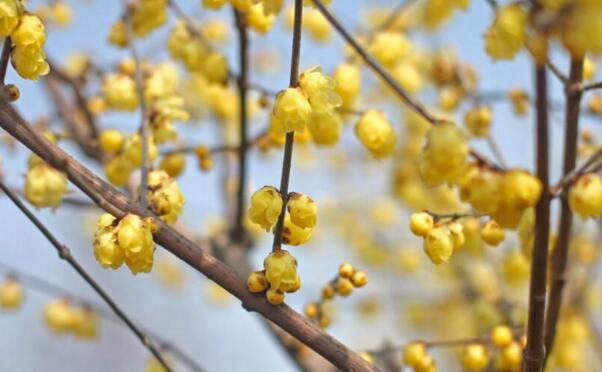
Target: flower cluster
x,y
196,56
62,317
28,38
164,196
504,195
145,17
128,240
278,277
315,99
122,163
444,154
346,279
441,238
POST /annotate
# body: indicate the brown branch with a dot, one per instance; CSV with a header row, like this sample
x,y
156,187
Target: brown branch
x,y
4,58
65,254
45,286
496,150
557,72
592,86
144,124
534,353
374,65
572,176
290,136
116,203
560,253
243,41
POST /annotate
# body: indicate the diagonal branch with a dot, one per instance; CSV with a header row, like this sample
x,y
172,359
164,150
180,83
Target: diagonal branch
x,y
116,203
65,253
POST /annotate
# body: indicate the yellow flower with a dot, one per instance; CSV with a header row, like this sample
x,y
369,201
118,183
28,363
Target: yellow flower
x,y
478,121
388,47
164,196
325,129
270,7
256,282
292,110
185,47
474,357
106,249
118,34
136,240
421,223
133,150
173,164
30,62
148,15
376,134
585,196
9,16
58,315
111,141
45,186
581,31
29,32
501,336
11,294
61,13
436,12
85,323
320,89
214,4
444,154
492,233
302,209
506,36
318,26
438,245
293,234
349,81
118,170
414,353
281,271
119,91
266,206
241,5
260,20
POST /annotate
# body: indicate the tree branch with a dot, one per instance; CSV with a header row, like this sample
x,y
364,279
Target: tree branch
x,y
374,65
560,253
290,136
65,253
534,353
116,203
243,41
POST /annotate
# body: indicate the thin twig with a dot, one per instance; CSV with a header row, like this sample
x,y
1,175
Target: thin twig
x,y
535,350
45,286
376,67
243,41
144,124
4,58
496,151
572,176
290,136
560,253
557,72
65,254
592,86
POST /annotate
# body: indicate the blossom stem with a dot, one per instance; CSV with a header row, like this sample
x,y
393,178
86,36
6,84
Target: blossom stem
x,y
290,136
4,58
